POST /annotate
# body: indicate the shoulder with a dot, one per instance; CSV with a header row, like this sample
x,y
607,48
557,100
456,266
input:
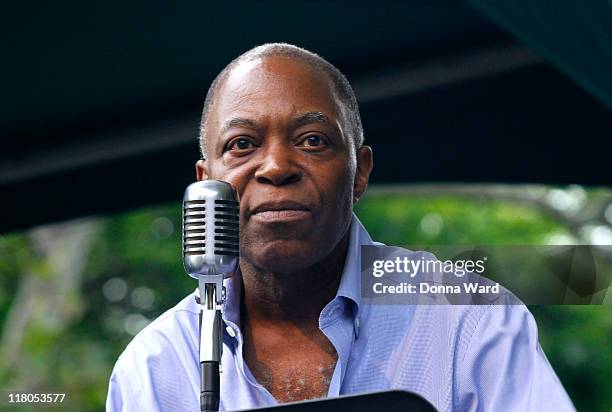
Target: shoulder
x,y
161,359
473,329
172,335
498,327
501,363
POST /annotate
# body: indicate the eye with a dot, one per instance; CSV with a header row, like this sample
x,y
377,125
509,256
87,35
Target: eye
x,y
312,140
241,143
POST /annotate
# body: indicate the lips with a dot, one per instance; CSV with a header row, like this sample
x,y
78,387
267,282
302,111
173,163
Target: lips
x,y
278,206
280,211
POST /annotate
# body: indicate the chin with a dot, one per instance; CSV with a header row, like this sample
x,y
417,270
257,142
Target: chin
x,y
282,256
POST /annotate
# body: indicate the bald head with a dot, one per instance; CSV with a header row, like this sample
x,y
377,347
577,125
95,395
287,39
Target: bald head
x,y
340,86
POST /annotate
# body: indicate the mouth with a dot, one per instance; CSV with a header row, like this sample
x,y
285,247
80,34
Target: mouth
x,y
280,211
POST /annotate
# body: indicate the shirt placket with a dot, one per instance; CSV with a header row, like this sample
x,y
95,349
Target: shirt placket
x,y
264,396
339,326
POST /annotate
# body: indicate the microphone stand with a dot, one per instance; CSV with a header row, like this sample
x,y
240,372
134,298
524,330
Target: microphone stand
x,y
212,296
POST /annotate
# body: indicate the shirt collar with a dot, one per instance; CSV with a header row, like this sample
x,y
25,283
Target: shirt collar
x,y
350,281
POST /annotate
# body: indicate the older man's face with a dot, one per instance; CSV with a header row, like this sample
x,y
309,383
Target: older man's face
x,y
276,133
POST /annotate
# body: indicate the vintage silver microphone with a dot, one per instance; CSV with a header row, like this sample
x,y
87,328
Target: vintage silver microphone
x,y
210,254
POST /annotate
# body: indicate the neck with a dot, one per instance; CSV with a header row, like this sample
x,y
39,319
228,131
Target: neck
x,y
297,298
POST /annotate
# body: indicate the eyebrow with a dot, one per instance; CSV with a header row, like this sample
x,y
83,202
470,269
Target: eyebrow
x,y
301,120
238,122
310,117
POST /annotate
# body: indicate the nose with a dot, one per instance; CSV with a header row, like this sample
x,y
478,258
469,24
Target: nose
x,y
278,167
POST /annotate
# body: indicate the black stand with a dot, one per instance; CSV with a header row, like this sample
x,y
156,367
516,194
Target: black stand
x,y
391,401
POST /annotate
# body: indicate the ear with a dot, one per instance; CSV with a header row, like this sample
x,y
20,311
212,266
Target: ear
x,y
362,175
201,170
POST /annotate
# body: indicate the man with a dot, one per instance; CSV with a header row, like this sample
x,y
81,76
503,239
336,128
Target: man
x,y
282,126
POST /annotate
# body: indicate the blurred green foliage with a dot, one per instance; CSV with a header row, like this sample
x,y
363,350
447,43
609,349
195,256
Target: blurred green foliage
x,y
401,220
134,272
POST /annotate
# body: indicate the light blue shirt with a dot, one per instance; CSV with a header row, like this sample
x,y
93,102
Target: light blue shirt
x,y
459,358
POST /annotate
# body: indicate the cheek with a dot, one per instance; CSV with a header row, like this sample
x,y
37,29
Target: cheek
x,y
339,190
238,178
343,177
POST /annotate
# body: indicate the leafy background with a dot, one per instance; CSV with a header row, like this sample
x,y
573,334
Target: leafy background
x,y
73,294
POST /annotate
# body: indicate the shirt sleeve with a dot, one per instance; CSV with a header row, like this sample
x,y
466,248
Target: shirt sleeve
x,y
120,397
504,367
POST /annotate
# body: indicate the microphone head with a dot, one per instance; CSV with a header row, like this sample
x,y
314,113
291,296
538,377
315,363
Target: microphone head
x,y
210,228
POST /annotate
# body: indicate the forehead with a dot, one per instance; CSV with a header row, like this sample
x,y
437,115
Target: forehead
x,y
275,87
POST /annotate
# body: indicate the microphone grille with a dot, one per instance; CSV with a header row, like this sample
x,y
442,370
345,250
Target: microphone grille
x,y
194,227
210,221
226,238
